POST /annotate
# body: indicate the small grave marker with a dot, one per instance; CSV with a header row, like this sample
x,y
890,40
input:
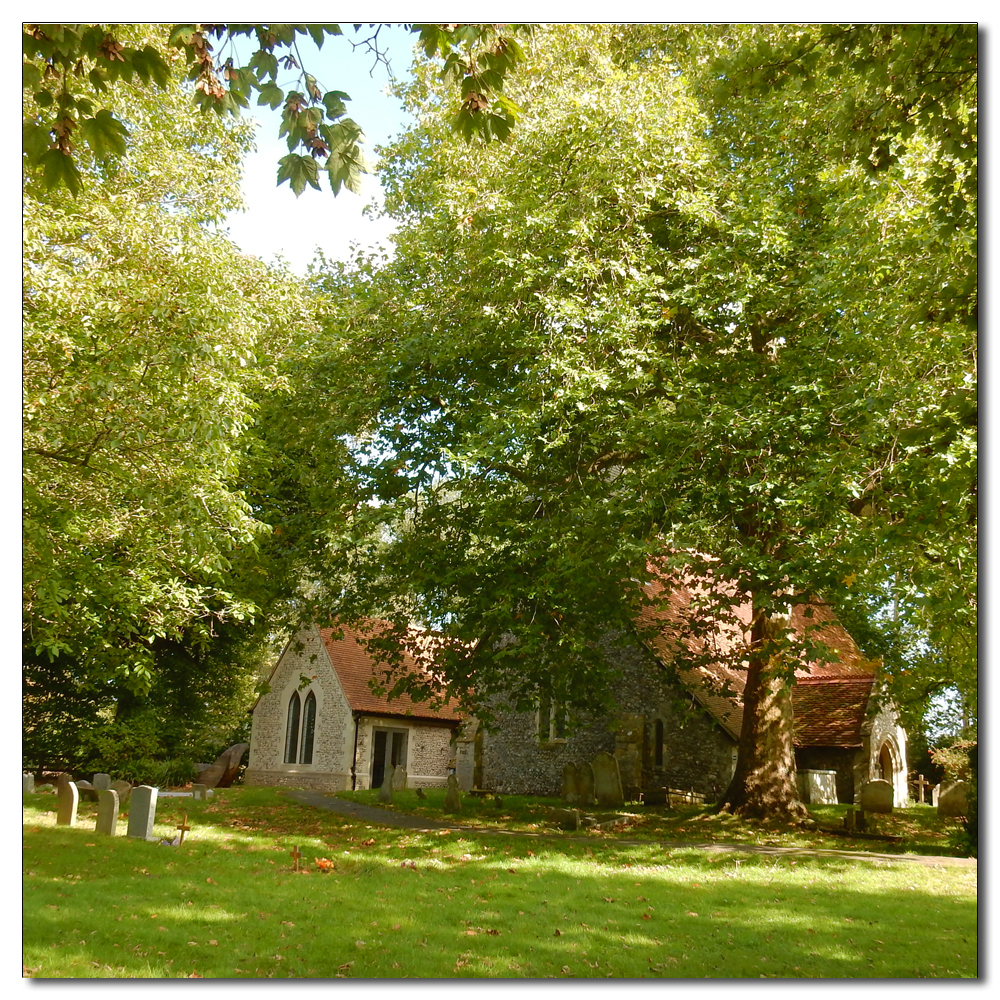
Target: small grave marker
x,y
68,803
184,828
107,812
296,856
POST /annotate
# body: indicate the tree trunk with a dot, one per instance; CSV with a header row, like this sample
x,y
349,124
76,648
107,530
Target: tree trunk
x,y
763,786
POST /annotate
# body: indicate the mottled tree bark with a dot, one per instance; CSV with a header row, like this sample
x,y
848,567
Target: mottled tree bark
x,y
763,786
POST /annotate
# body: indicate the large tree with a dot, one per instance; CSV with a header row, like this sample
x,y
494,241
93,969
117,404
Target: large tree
x,y
147,341
644,325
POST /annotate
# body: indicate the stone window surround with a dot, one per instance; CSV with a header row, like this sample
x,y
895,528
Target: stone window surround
x,y
556,722
290,690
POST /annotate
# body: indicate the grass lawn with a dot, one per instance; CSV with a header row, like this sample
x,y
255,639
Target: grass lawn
x,y
377,902
920,829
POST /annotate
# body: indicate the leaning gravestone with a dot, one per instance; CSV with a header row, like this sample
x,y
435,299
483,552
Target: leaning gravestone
x,y
102,782
87,791
398,779
876,796
142,812
385,789
953,799
107,812
221,773
124,790
68,803
607,781
452,798
585,774
27,782
571,784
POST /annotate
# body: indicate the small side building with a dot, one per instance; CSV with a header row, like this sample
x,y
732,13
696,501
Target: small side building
x,y
320,726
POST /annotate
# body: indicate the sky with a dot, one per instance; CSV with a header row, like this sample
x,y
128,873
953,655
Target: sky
x,y
276,223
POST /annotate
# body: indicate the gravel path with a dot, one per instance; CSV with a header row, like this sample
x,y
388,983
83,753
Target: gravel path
x,y
385,817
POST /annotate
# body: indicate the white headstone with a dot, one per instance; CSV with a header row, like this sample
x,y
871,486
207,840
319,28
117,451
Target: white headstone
x,y
69,802
142,812
107,812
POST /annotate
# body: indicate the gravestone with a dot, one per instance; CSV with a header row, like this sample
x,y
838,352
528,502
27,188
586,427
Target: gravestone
x,y
817,788
571,784
585,790
27,782
452,798
199,792
607,781
124,790
399,779
87,791
68,803
385,789
565,819
102,782
953,799
221,773
654,796
142,812
107,812
876,796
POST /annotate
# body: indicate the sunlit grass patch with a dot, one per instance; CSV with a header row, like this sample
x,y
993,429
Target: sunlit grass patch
x,y
395,903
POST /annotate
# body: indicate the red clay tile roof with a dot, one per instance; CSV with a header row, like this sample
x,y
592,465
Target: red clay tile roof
x,y
832,713
355,668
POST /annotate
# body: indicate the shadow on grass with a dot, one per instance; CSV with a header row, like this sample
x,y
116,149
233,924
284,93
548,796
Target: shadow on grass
x,y
440,905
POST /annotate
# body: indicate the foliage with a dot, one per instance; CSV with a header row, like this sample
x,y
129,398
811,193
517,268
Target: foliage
x,y
148,340
69,68
228,905
654,334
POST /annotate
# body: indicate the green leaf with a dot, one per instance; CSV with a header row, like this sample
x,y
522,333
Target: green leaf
x,y
105,135
298,171
60,171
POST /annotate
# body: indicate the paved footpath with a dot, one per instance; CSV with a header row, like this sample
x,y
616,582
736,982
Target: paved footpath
x,y
386,817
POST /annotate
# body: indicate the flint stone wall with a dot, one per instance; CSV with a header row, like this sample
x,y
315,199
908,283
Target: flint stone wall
x,y
334,740
698,753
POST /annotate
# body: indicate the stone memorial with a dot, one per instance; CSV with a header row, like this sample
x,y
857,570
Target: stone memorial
x,y
399,779
199,792
607,781
953,799
68,803
585,789
107,812
221,773
570,784
654,796
452,798
87,791
27,782
102,782
876,796
817,788
385,789
124,790
142,812
565,819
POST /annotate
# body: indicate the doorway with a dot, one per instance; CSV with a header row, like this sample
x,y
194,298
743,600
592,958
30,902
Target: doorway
x,y
389,748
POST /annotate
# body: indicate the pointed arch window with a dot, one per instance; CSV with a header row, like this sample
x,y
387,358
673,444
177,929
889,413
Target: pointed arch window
x,y
292,728
308,729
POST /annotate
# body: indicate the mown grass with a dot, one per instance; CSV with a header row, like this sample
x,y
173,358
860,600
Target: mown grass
x,y
444,904
921,830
